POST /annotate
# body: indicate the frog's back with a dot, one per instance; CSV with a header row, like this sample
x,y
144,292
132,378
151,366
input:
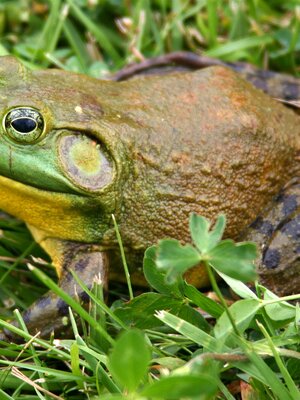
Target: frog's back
x,y
207,142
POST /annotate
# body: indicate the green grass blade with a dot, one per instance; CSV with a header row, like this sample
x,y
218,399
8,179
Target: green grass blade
x,y
266,372
97,31
286,376
3,51
94,360
51,372
71,302
126,270
51,32
99,303
190,331
5,396
212,14
202,301
238,45
77,45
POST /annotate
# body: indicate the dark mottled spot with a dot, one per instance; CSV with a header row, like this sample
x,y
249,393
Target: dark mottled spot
x,y
289,205
257,223
292,228
258,82
82,264
62,307
84,297
279,197
297,250
271,258
26,316
43,302
67,277
263,226
290,90
264,74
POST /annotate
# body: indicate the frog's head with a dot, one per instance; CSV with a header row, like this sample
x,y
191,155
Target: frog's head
x,y
59,165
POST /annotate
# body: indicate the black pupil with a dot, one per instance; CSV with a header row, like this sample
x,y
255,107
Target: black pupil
x,y
24,125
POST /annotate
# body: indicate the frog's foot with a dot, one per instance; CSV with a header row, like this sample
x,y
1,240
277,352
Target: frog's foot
x,y
278,235
49,313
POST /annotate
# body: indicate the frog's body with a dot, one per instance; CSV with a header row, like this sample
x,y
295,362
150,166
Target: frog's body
x,y
280,86
150,151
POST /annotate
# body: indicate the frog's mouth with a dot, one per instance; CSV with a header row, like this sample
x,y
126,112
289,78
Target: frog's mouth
x,y
61,215
65,162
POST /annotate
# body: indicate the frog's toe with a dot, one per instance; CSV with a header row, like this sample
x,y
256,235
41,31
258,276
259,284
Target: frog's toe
x,y
9,336
49,314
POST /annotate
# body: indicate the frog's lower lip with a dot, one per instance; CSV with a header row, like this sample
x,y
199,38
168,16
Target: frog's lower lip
x,y
37,192
41,189
14,193
40,207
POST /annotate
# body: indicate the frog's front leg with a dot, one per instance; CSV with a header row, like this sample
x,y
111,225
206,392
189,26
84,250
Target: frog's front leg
x,y
277,233
48,313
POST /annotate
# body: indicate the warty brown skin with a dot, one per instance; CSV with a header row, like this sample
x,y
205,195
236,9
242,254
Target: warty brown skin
x,y
206,142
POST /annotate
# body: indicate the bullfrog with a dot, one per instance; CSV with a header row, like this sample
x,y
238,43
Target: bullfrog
x,y
75,150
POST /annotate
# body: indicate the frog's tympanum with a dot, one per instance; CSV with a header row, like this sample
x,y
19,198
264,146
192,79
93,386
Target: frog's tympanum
x,y
75,150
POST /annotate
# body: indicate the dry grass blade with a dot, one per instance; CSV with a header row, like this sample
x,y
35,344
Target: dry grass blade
x,y
291,103
15,372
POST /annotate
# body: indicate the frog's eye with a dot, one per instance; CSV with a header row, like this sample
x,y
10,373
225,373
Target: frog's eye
x,y
24,124
85,162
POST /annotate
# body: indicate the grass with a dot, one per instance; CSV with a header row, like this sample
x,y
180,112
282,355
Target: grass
x,y
158,345
95,37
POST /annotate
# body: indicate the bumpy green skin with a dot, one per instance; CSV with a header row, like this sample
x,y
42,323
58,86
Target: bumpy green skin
x,y
206,142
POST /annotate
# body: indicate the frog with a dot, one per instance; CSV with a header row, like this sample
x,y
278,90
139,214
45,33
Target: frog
x,y
76,151
283,87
